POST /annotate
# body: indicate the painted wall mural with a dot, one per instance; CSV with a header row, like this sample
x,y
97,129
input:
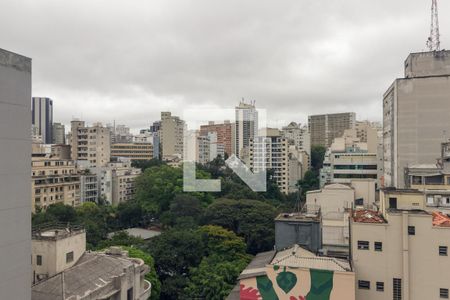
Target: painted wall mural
x,y
281,283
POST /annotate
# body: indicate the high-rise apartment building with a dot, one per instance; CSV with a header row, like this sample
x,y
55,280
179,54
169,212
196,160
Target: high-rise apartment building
x,y
42,118
90,143
15,168
224,134
58,134
298,136
325,128
272,152
416,115
246,128
171,135
134,151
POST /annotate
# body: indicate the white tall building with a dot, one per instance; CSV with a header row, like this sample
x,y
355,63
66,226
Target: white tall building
x,y
246,127
15,170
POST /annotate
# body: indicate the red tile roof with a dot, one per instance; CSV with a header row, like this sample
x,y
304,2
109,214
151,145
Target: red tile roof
x,y
367,216
440,219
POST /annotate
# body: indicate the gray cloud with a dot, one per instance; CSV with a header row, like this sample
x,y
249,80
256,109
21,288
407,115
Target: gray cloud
x,y
128,60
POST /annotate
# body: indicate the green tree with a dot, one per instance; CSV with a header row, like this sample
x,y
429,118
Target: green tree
x,y
120,238
317,156
309,182
251,219
145,164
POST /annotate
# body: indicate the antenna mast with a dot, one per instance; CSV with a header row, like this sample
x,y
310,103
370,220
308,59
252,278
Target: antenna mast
x,y
433,42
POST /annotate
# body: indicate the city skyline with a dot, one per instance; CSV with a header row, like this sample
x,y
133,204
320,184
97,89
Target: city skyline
x,y
168,58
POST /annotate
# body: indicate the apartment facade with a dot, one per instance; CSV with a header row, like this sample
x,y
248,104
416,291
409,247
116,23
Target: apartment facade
x,y
272,152
15,168
402,254
54,181
224,133
325,128
90,143
415,115
42,118
171,135
133,151
298,136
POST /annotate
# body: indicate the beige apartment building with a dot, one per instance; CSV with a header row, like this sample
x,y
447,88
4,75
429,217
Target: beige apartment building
x,y
415,115
272,152
171,135
64,270
402,254
116,182
325,128
53,181
90,143
133,151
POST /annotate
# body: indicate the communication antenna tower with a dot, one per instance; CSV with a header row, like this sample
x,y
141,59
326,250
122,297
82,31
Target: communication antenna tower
x,y
433,42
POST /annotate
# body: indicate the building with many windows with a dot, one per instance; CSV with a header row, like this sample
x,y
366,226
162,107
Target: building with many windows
x,y
325,128
53,181
245,129
298,136
272,152
90,143
133,151
58,134
402,254
171,136
224,134
415,115
42,118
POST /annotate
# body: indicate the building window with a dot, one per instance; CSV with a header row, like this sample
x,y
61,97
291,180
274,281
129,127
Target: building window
x,y
443,293
363,285
69,257
378,246
363,245
380,286
443,250
39,260
397,289
411,230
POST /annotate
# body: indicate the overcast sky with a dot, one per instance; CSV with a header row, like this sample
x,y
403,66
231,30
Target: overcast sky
x,y
128,60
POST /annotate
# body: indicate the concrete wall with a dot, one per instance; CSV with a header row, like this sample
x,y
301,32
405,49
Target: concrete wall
x,y
331,199
15,170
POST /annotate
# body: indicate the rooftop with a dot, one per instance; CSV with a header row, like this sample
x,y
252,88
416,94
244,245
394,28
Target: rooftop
x,y
297,257
55,231
368,216
299,217
139,232
88,276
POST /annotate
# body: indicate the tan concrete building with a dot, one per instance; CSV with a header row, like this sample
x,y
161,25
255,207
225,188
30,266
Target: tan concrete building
x,y
415,115
15,168
171,135
325,128
296,273
61,151
116,182
54,181
63,270
298,136
401,255
133,151
90,143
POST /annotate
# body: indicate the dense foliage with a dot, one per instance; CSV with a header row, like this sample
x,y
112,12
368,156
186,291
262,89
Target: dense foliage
x,y
207,238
